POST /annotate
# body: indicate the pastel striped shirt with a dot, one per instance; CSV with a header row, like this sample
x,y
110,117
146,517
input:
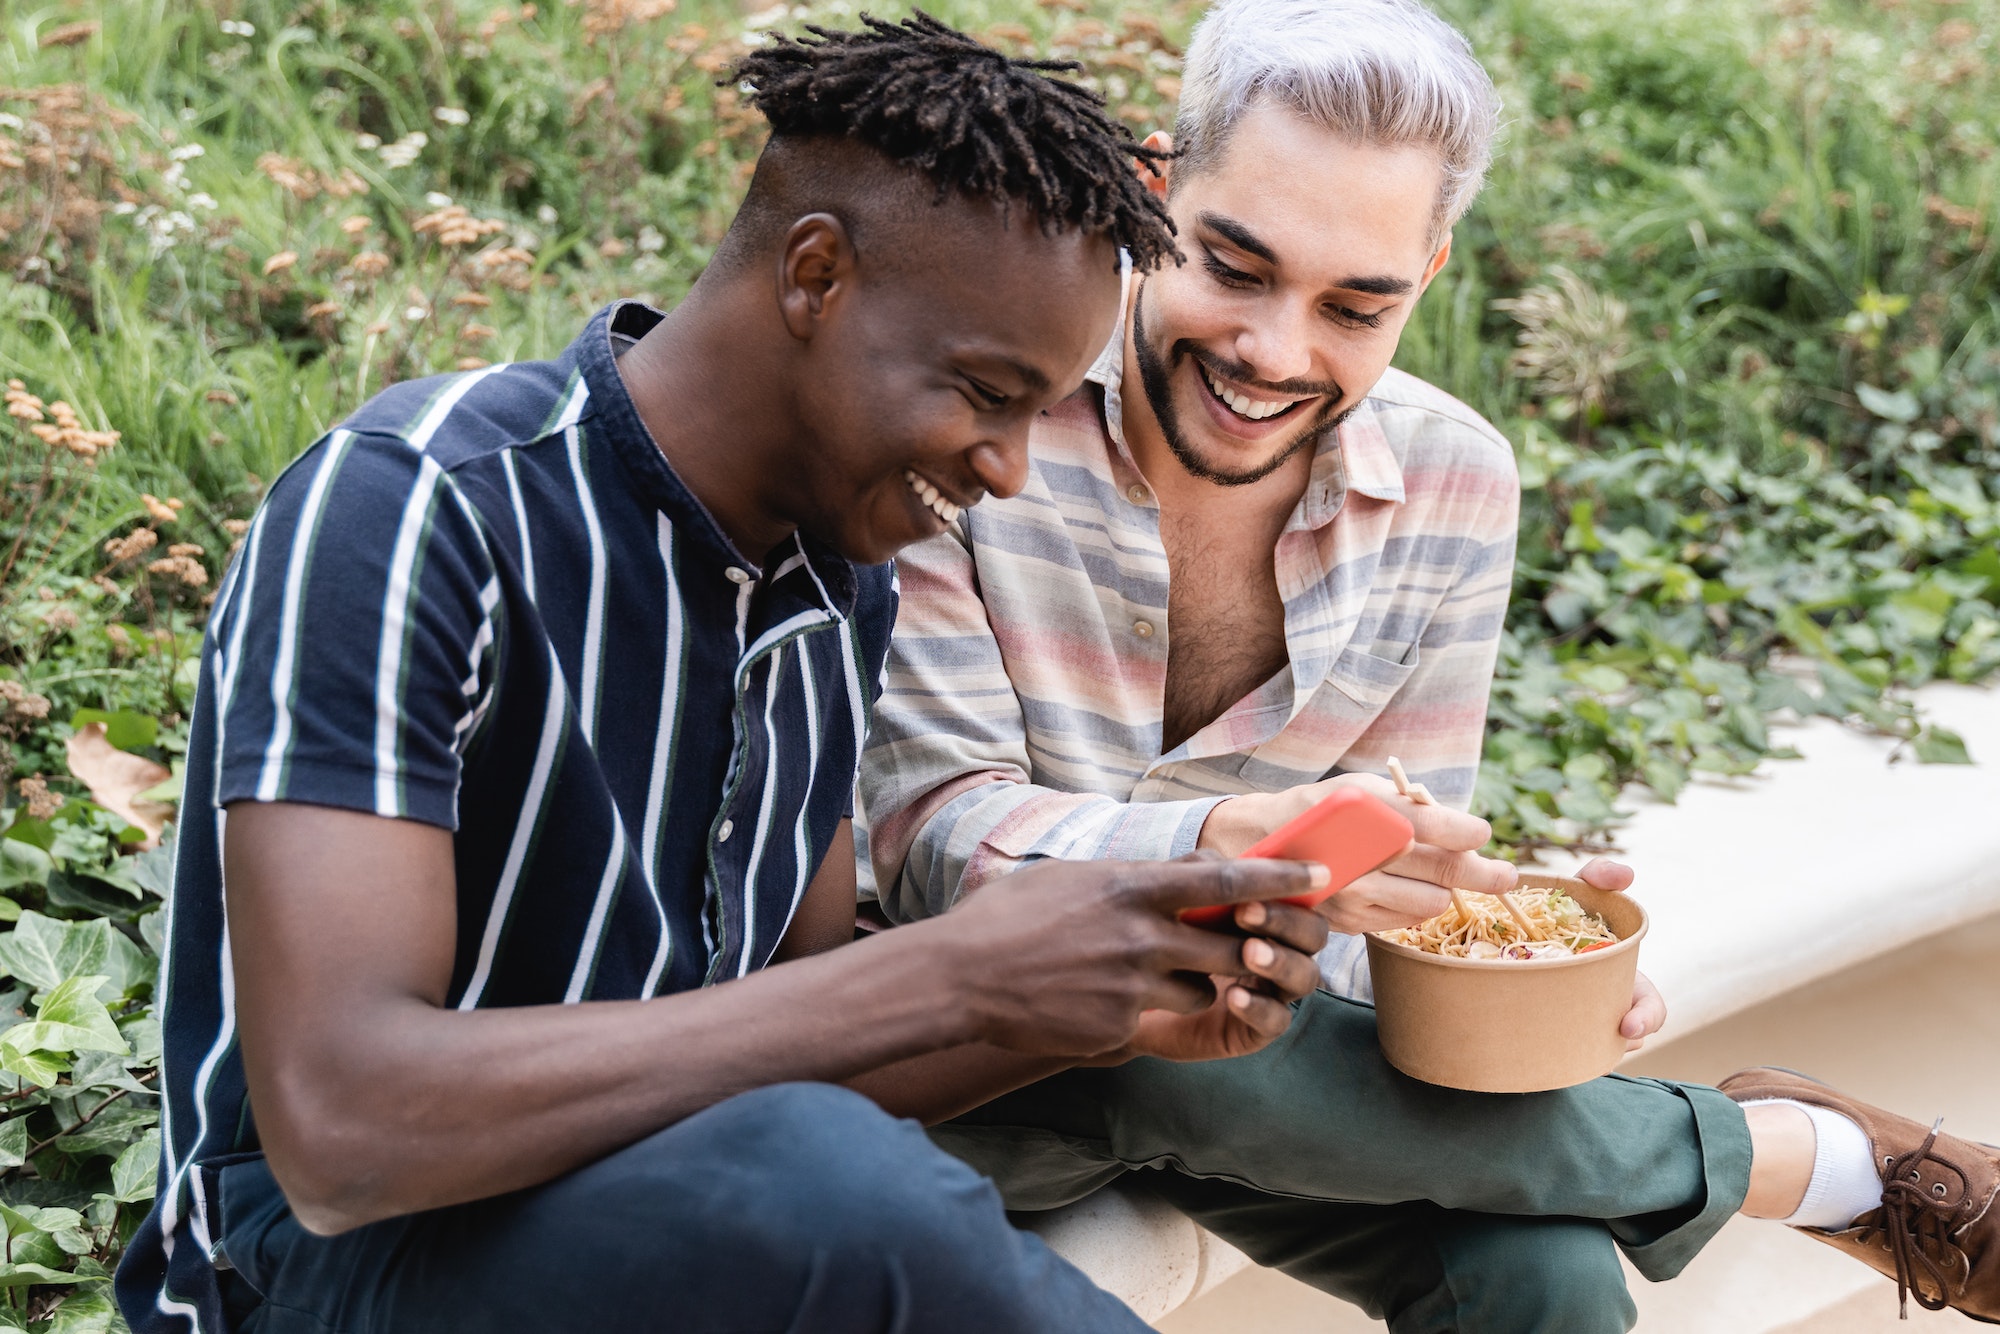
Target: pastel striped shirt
x,y
1022,702
486,602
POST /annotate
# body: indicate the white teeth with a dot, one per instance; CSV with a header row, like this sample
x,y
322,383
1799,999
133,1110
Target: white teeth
x,y
932,497
1241,404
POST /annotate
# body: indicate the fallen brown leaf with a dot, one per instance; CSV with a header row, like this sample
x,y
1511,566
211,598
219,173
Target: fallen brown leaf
x,y
116,778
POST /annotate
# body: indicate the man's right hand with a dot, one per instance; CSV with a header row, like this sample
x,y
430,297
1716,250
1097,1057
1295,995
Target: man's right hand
x,y
1410,889
1062,958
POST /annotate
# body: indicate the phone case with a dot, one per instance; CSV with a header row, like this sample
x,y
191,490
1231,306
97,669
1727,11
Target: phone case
x,y
1350,833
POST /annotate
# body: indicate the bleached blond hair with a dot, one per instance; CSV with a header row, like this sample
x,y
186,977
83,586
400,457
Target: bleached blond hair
x,y
1388,73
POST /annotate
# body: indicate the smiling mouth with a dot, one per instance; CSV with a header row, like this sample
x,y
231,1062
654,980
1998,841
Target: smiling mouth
x,y
1244,406
933,498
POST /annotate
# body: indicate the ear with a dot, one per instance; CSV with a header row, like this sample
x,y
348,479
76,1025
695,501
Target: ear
x,y
1155,175
1437,262
815,272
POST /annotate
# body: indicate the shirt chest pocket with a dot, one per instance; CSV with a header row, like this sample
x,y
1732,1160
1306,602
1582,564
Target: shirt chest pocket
x,y
1357,687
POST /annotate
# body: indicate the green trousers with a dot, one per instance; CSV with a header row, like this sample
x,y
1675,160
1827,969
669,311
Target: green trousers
x,y
1433,1209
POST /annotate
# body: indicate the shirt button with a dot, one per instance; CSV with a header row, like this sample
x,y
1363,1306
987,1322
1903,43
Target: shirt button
x,y
728,828
1143,629
737,574
1138,494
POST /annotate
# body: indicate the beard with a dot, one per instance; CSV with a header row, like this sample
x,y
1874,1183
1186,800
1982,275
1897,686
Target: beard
x,y
1156,378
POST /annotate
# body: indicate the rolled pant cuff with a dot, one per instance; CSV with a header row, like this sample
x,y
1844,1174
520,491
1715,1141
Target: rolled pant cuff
x,y
1725,1153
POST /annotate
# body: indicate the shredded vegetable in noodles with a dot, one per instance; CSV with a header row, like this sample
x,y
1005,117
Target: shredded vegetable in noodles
x,y
1490,933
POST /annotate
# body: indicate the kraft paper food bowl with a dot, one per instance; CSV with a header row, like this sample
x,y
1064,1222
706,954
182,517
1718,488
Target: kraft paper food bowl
x,y
1510,1026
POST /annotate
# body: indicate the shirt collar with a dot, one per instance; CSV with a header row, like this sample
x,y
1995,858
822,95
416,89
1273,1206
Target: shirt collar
x,y
653,477
1355,456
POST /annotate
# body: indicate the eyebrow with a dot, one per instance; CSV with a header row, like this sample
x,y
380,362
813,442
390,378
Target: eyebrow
x,y
1030,376
1247,241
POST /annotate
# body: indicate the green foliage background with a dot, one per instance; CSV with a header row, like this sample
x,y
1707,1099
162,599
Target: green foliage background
x,y
1731,293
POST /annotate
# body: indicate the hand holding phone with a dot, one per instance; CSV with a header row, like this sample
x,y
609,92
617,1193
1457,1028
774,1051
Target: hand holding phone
x,y
1349,832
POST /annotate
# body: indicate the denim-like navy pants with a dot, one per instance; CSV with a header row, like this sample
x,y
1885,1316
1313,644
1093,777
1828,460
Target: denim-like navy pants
x,y
799,1207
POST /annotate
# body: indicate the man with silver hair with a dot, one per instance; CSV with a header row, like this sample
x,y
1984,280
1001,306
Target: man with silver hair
x,y
1252,562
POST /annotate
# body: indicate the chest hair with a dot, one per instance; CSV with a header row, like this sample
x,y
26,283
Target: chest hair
x,y
1226,620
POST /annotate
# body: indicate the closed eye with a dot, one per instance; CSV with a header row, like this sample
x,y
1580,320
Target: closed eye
x,y
1365,320
1225,274
985,397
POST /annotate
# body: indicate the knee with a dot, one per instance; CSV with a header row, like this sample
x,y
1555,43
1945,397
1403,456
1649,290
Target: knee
x,y
1550,1275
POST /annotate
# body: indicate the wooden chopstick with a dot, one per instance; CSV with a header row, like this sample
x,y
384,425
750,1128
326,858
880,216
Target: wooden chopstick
x,y
1421,795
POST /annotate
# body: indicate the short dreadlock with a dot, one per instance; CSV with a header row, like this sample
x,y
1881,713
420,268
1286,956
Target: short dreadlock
x,y
971,119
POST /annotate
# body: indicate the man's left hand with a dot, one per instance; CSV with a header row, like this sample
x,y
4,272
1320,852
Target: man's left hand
x,y
1253,1009
1649,1009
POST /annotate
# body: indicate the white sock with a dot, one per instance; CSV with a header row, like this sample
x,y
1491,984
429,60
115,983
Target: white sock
x,y
1845,1180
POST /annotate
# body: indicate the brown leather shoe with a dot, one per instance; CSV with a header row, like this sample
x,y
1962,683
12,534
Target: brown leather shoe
x,y
1937,1233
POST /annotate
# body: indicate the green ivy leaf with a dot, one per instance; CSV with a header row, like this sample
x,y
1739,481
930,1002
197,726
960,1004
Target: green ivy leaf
x,y
14,1142
1900,407
43,952
1939,745
22,863
134,1177
126,729
71,1020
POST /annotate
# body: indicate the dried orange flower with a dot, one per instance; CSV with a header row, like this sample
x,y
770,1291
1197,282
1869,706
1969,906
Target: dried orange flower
x,y
453,225
131,546
163,511
477,300
20,700
236,527
370,264
184,568
66,430
319,309
473,363
478,333
41,802
357,224
284,259
222,396
186,549
612,248
22,404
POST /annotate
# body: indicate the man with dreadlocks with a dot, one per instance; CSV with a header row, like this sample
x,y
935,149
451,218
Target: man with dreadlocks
x,y
527,734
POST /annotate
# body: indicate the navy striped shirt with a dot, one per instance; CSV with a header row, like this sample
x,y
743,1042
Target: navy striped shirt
x,y
487,603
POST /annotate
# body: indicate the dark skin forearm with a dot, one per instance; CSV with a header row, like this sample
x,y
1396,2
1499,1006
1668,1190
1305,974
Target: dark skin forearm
x,y
374,1098
424,1106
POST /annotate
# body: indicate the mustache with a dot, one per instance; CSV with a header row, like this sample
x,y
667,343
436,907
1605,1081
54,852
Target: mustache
x,y
1239,373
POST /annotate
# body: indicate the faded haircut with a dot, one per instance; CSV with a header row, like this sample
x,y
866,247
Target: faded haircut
x,y
1388,73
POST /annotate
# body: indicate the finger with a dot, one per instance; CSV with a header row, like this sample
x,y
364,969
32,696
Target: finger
x,y
1182,993
1603,873
1264,1016
1197,884
1456,870
1178,947
1648,1013
1300,928
1291,973
1382,901
1452,830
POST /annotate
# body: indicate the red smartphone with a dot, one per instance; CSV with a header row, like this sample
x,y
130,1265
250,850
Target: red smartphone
x,y
1349,833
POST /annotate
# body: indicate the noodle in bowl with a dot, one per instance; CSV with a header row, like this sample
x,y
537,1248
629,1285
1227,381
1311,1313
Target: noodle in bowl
x,y
1497,1024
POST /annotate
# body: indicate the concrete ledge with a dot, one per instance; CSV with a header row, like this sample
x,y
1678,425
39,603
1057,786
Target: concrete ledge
x,y
1756,886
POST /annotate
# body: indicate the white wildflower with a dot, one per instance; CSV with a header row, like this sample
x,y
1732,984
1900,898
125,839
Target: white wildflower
x,y
366,142
187,152
650,240
451,115
547,216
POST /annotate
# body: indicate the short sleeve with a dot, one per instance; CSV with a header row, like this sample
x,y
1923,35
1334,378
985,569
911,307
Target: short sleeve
x,y
354,645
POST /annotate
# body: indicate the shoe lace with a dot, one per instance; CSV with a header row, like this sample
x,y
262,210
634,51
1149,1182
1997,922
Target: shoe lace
x,y
1912,1216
